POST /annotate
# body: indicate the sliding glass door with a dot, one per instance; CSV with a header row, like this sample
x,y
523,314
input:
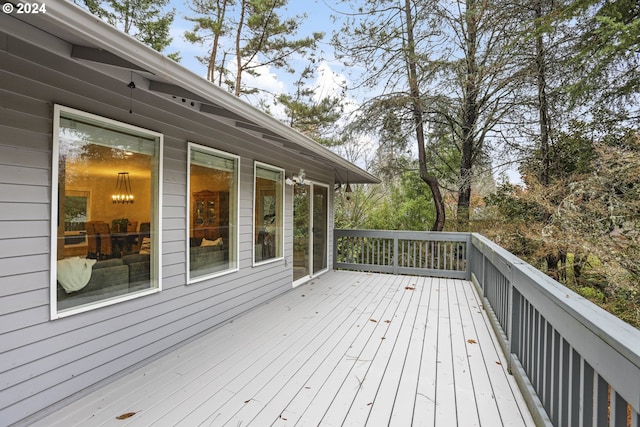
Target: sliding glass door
x,y
310,225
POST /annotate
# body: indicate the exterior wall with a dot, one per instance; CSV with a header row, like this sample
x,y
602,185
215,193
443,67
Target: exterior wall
x,y
43,361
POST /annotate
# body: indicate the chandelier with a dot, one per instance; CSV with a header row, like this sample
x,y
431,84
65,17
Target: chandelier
x,y
123,192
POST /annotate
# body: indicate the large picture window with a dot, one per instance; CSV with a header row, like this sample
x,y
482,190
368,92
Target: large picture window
x,y
269,212
213,212
106,211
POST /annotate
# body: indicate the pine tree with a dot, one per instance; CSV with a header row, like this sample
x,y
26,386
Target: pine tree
x,y
145,20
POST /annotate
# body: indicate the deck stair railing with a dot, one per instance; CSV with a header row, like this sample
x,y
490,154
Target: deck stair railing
x,y
576,364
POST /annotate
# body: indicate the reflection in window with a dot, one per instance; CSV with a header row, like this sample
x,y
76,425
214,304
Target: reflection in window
x,y
105,249
76,215
213,183
268,197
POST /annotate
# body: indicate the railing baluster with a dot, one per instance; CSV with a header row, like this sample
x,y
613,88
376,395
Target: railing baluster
x,y
601,407
618,415
564,393
557,378
548,366
574,388
586,395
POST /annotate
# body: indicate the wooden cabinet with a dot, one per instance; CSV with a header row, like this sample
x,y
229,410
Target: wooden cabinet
x,y
210,214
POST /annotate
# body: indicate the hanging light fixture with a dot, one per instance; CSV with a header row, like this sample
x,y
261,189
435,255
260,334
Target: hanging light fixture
x,y
123,192
348,187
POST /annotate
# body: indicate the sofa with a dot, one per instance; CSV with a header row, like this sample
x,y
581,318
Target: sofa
x,y
206,256
109,278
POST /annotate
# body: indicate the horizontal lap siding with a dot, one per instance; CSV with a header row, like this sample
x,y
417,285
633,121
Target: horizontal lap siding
x,y
43,361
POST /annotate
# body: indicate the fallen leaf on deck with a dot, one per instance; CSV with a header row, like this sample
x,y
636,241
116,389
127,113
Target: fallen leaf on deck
x,y
373,320
498,363
387,321
125,416
409,288
370,403
247,401
470,341
383,338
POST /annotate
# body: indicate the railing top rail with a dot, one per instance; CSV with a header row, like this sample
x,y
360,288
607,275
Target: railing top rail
x,y
406,235
621,336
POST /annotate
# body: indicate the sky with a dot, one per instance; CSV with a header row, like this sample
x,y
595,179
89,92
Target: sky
x,y
271,80
331,75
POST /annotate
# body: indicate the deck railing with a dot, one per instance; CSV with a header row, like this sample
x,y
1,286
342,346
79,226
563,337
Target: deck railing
x,y
576,364
402,252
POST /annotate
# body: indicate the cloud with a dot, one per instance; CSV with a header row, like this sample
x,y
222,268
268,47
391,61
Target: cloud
x,y
331,83
328,82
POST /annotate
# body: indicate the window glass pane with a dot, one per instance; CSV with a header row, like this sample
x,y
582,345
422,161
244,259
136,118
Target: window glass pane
x,y
268,213
320,221
108,191
213,181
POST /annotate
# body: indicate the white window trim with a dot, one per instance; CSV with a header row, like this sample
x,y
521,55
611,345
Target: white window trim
x,y
257,164
191,280
156,262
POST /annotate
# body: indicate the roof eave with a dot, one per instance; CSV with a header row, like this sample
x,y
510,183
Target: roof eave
x,y
98,34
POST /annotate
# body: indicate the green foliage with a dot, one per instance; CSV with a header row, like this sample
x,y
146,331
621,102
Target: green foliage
x,y
607,52
625,303
145,20
253,33
314,117
408,207
209,26
570,154
352,210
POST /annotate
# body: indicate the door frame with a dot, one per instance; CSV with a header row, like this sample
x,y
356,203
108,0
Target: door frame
x,y
310,273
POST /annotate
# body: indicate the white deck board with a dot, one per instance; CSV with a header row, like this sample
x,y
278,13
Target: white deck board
x,y
347,348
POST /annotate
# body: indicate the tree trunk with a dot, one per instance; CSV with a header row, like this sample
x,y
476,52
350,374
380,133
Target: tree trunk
x,y
543,107
418,116
469,117
239,67
221,10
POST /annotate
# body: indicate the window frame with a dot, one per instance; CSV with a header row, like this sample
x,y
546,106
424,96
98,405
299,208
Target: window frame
x,y
236,202
256,165
60,111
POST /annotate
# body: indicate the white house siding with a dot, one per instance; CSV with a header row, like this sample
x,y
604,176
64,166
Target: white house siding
x,y
46,362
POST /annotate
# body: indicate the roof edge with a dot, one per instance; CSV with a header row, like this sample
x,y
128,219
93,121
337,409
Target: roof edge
x,y
75,19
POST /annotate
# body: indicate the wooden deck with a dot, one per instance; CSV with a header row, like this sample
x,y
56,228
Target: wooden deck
x,y
346,348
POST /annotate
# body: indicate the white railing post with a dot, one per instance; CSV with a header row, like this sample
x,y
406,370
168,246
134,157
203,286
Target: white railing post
x,y
395,253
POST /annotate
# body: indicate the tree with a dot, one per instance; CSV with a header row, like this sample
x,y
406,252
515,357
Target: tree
x,y
393,40
585,221
407,207
211,23
311,114
143,19
607,55
479,83
252,33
